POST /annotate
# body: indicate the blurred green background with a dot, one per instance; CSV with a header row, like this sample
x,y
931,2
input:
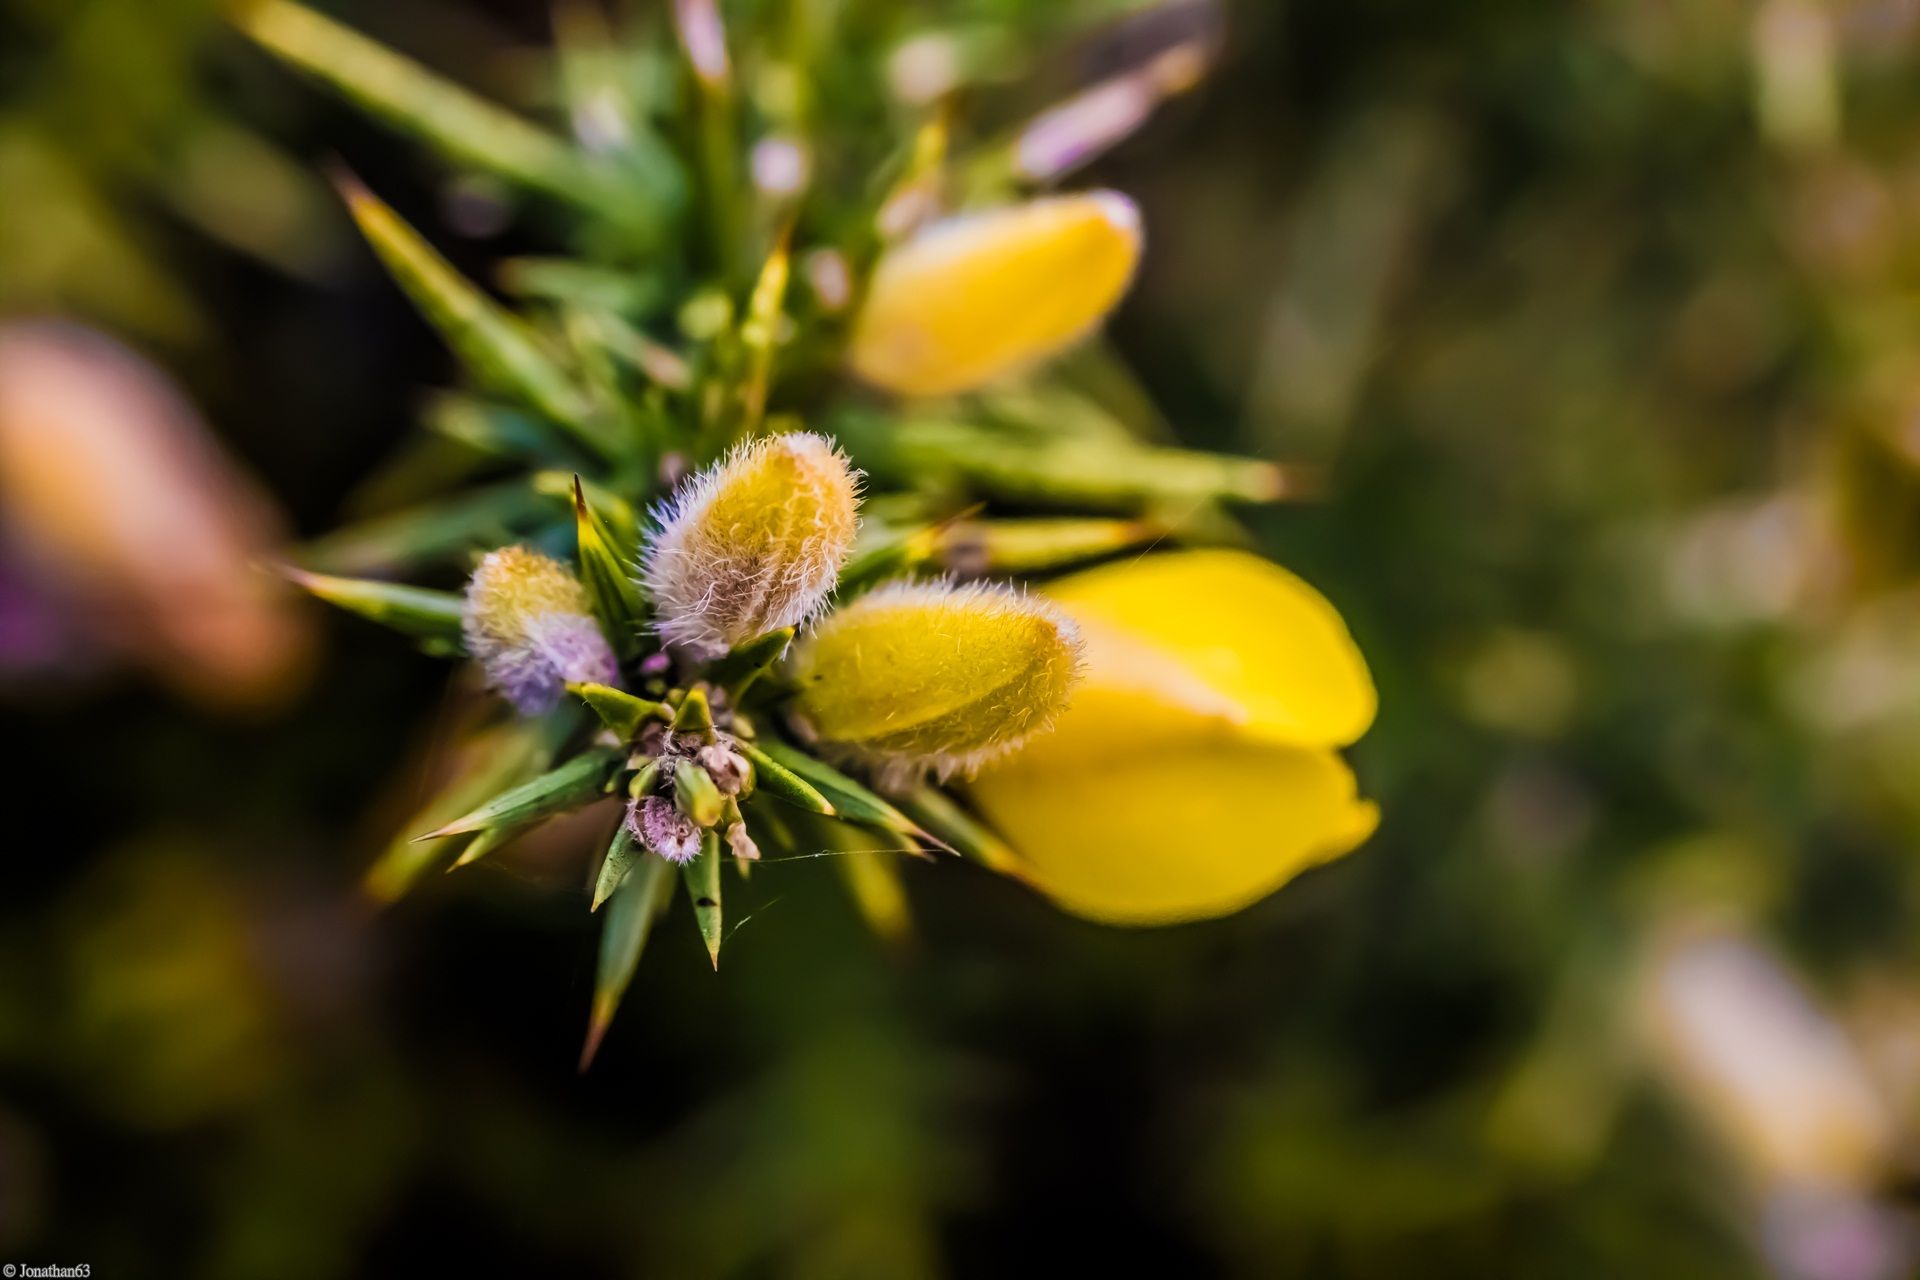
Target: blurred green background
x,y
1598,323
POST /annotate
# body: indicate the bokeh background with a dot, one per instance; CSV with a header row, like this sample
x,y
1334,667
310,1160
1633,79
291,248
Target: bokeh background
x,y
1601,326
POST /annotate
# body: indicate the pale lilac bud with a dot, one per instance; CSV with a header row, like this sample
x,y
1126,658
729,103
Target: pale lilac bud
x,y
704,38
530,626
781,166
656,823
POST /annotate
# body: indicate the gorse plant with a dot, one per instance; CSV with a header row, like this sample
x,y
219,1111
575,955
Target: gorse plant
x,y
815,380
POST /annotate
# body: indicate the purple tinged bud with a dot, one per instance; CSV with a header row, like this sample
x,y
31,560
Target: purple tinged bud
x,y
781,166
1063,139
704,38
1069,135
832,279
656,823
529,624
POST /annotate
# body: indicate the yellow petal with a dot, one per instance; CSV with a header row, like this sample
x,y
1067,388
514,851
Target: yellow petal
x,y
1193,771
1252,644
1190,833
1131,696
969,300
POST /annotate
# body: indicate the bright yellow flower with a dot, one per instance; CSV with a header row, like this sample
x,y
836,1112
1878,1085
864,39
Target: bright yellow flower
x,y
971,299
1197,767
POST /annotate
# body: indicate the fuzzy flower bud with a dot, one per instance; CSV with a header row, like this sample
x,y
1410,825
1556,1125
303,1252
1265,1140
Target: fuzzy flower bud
x,y
929,677
530,625
657,823
753,544
968,300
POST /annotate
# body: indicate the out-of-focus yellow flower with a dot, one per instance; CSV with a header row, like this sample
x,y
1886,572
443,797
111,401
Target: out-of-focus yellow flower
x,y
1196,770
974,298
753,544
927,677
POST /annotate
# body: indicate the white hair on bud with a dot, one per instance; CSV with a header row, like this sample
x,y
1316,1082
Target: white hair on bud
x,y
529,624
752,544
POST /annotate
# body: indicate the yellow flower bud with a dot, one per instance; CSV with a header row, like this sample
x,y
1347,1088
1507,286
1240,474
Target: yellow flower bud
x,y
530,625
976,297
753,544
923,677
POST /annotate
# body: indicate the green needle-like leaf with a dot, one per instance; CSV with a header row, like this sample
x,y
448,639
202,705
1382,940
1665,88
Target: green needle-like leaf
x,y
483,844
894,559
462,126
1097,473
759,329
503,352
495,760
608,576
494,429
870,868
775,779
953,826
646,775
430,534
583,284
975,548
415,611
699,798
636,904
695,714
899,556
622,856
743,666
569,786
849,799
616,513
703,884
619,710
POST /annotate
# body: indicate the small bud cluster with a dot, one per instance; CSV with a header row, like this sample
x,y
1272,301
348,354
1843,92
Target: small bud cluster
x,y
686,784
703,635
914,678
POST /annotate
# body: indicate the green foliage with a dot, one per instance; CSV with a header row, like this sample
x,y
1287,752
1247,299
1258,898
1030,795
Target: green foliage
x,y
725,190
